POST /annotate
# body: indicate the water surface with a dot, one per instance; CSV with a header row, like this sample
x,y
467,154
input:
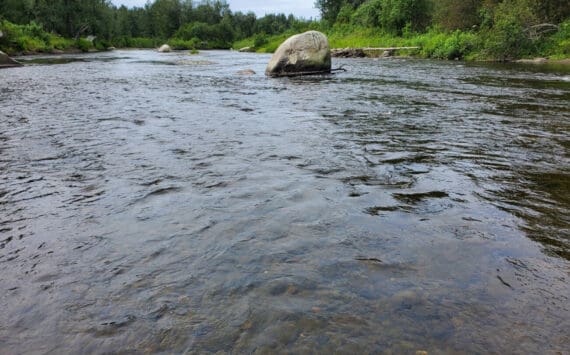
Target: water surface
x,y
165,203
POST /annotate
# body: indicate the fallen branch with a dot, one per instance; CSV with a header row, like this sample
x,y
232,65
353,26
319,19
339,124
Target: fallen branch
x,y
341,68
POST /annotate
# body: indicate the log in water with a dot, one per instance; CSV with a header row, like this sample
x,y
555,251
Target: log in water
x,y
166,203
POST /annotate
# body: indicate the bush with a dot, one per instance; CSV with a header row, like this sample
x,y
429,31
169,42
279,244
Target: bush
x,y
24,38
260,40
507,39
60,43
180,44
138,42
558,44
455,46
83,45
368,14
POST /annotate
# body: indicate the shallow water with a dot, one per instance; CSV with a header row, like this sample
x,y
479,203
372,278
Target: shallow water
x,y
165,203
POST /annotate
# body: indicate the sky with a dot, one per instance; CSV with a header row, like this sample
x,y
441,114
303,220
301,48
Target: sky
x,y
299,8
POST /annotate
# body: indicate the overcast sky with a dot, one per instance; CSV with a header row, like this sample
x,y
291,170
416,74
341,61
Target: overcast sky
x,y
299,8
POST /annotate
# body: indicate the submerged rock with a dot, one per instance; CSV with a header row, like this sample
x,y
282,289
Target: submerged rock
x,y
246,72
302,54
7,62
165,48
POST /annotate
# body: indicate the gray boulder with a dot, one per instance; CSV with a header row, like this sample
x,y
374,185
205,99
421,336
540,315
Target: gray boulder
x,y
7,62
302,54
165,48
247,50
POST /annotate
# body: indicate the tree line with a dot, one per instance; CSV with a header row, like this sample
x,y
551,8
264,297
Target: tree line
x,y
486,29
417,15
448,29
209,23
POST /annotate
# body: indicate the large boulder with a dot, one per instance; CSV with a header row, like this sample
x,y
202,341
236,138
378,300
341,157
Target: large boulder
x,y
302,54
165,48
7,62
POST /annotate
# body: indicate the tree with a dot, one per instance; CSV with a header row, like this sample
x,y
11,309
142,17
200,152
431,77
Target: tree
x,y
397,14
457,14
329,9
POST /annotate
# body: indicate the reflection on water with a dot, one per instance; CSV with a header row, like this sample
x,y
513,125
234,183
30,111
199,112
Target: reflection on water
x,y
164,202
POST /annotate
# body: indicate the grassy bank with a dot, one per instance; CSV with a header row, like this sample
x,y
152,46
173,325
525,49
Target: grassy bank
x,y
499,44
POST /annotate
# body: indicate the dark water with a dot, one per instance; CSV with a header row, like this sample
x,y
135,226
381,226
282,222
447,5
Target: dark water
x,y
165,203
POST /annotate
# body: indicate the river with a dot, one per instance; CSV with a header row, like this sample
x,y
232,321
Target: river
x,y
167,203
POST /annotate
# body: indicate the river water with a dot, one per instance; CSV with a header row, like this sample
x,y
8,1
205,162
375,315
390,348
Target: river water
x,y
167,203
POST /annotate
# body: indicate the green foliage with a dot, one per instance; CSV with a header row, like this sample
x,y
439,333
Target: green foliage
x,y
557,46
329,9
204,35
368,14
345,14
455,45
83,45
445,29
180,44
453,14
260,40
29,38
508,38
396,14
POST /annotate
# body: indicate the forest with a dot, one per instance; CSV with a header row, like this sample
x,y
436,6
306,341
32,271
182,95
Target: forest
x,y
445,29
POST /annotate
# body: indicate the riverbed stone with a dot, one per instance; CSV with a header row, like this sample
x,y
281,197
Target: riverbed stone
x,y
533,61
348,53
165,48
7,62
246,72
302,54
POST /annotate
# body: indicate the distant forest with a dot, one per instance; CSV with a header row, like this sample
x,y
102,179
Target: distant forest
x,y
205,22
485,28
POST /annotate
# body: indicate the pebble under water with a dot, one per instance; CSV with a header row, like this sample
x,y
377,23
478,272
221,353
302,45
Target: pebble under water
x,y
168,203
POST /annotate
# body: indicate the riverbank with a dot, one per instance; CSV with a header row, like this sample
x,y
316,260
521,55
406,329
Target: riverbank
x,y
17,40
434,44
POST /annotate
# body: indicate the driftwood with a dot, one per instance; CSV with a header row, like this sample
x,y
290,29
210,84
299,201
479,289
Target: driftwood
x,y
332,71
391,49
348,53
536,31
81,29
341,68
361,52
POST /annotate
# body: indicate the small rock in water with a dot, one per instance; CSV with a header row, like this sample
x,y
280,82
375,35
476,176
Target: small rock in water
x,y
165,48
246,72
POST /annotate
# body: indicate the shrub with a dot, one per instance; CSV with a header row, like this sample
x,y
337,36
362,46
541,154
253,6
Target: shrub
x,y
260,40
180,44
368,14
83,45
558,44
